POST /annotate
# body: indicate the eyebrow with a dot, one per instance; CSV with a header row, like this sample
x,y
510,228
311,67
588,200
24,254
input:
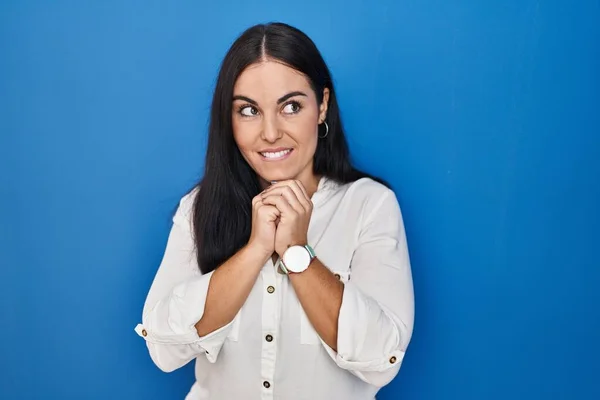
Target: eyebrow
x,y
290,95
279,101
246,99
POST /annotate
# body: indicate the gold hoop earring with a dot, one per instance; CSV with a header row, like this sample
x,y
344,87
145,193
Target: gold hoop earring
x,y
326,131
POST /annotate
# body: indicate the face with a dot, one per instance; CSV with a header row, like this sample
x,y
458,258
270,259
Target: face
x,y
275,121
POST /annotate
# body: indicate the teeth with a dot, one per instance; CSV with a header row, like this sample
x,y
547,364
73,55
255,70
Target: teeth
x,y
276,154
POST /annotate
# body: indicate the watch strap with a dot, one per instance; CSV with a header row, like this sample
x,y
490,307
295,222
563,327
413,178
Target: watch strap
x,y
310,251
281,267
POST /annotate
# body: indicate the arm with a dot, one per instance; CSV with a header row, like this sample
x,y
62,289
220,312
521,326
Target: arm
x,y
366,324
365,329
229,288
320,295
186,313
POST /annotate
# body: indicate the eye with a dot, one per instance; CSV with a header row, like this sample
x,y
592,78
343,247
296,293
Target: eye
x,y
292,107
248,111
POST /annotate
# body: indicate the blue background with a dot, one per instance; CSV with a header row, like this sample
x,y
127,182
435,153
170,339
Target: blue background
x,y
484,115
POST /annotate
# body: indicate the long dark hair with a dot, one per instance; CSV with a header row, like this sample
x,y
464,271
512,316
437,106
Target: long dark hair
x,y
222,215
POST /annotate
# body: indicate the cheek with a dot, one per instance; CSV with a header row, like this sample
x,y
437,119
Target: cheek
x,y
244,146
242,136
307,133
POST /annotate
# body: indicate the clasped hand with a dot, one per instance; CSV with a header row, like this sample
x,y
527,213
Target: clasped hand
x,y
281,215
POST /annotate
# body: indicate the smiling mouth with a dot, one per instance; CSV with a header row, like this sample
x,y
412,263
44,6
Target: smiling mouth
x,y
275,155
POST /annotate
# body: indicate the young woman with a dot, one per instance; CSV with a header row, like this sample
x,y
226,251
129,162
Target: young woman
x,y
286,273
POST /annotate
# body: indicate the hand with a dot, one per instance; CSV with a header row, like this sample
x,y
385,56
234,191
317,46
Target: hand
x,y
295,207
264,224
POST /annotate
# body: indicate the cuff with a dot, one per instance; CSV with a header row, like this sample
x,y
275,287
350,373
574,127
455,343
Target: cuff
x,y
357,351
210,344
171,322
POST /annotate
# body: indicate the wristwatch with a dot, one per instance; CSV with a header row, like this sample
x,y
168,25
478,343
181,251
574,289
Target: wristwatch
x,y
296,259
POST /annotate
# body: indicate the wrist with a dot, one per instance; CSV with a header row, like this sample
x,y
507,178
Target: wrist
x,y
257,252
301,242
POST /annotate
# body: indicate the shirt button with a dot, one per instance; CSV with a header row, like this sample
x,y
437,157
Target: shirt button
x,y
271,289
266,384
144,333
338,276
393,360
269,338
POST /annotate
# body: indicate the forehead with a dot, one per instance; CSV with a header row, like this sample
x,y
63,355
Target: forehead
x,y
269,80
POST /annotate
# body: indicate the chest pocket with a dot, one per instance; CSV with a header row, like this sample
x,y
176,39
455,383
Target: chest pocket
x,y
308,334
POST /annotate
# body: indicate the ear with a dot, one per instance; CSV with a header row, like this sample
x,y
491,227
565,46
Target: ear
x,y
323,106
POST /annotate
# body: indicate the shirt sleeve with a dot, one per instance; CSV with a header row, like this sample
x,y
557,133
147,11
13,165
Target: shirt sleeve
x,y
377,312
175,302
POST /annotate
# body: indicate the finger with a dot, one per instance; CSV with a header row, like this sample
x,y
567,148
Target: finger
x,y
291,183
281,203
298,183
270,211
277,185
305,203
256,200
273,186
299,201
277,188
301,193
292,197
288,193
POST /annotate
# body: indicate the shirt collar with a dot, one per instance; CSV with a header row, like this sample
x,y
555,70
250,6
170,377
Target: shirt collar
x,y
325,189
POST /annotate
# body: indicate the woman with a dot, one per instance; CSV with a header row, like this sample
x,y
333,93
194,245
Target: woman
x,y
286,273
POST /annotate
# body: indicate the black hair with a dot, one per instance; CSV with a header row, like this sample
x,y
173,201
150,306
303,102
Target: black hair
x,y
222,211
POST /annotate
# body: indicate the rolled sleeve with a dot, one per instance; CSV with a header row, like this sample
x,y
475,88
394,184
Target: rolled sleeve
x,y
176,300
377,311
169,327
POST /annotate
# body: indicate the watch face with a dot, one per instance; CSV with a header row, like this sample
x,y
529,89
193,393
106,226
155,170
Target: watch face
x,y
296,259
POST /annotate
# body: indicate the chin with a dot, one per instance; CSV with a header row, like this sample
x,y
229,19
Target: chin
x,y
269,177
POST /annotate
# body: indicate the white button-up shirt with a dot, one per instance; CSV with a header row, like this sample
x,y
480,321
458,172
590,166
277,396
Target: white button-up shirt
x,y
270,350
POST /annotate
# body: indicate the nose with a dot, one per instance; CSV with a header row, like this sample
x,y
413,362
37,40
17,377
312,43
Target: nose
x,y
270,130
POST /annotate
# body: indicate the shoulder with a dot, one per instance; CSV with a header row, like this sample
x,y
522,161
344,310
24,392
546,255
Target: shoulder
x,y
374,199
370,191
369,188
185,209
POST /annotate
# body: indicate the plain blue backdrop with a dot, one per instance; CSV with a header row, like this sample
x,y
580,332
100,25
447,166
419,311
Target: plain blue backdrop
x,y
484,116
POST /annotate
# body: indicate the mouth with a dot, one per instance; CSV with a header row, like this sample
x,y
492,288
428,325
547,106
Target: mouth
x,y
279,154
